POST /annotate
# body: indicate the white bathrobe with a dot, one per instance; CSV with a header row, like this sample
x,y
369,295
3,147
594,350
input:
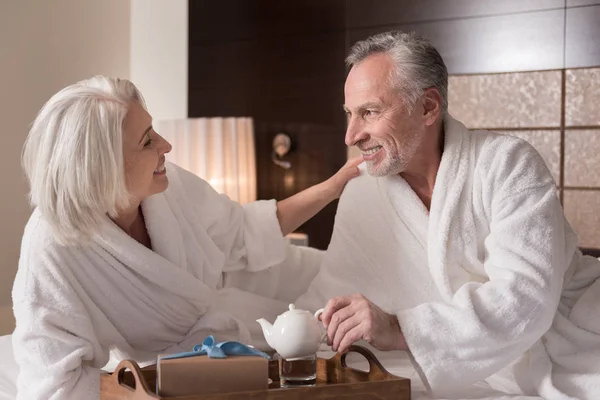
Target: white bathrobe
x,y
74,306
487,285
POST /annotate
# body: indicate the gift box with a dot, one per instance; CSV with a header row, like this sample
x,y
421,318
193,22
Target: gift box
x,y
212,368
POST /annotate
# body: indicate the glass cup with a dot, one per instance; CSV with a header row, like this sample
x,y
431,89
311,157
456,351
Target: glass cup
x,y
298,372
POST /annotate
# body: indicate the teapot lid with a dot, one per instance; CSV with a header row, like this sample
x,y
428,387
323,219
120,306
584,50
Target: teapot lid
x,y
294,311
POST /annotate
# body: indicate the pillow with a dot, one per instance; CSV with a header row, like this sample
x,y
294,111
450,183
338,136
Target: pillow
x,y
8,369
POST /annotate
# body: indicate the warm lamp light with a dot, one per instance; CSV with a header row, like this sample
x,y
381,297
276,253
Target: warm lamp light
x,y
219,150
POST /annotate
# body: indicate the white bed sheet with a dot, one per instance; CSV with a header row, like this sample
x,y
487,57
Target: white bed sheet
x,y
8,369
396,363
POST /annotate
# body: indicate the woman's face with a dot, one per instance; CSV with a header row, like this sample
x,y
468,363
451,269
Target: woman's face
x,y
144,154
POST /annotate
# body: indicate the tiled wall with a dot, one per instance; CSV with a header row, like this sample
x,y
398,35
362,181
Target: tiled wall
x,y
558,112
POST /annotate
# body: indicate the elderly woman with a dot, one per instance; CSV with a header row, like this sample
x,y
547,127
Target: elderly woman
x,y
115,265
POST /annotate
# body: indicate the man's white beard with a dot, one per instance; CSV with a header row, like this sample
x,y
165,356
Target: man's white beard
x,y
389,166
395,164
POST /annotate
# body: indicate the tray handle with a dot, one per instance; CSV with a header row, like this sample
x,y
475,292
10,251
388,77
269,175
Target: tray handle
x,y
141,386
376,370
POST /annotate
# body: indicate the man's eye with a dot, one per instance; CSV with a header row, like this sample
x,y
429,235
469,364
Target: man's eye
x,y
148,142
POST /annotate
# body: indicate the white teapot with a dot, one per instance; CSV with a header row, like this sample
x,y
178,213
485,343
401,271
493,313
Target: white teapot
x,y
295,333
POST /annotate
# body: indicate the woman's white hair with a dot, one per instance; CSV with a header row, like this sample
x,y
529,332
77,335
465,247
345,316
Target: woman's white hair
x,y
73,157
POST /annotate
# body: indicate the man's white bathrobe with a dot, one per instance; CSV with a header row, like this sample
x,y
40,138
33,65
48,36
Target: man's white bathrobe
x,y
215,268
488,284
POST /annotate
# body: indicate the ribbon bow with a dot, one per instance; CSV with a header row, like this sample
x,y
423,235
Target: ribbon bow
x,y
219,350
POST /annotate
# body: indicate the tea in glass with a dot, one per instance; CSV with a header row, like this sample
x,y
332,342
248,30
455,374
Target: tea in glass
x,y
298,372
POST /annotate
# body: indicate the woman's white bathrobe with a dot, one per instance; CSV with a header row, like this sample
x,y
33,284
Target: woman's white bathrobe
x,y
487,285
214,268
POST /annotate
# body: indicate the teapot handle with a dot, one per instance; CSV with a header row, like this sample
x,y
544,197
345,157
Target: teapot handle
x,y
324,336
319,312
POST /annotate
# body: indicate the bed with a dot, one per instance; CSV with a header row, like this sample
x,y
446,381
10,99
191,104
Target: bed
x,y
8,369
398,363
395,362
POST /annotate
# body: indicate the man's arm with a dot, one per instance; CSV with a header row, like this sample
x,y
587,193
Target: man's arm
x,y
486,326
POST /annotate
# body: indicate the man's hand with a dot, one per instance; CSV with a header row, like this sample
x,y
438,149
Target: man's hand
x,y
349,319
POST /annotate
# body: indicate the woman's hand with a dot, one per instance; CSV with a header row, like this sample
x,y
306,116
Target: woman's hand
x,y
296,210
335,185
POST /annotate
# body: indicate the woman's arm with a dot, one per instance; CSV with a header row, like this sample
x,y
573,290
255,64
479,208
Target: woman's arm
x,y
55,344
285,281
251,237
299,208
54,354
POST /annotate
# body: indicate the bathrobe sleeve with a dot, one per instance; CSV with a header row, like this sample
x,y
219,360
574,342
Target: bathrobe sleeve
x,y
54,342
258,258
486,326
249,236
285,281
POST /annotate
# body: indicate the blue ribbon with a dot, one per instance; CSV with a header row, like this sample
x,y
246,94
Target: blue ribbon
x,y
219,350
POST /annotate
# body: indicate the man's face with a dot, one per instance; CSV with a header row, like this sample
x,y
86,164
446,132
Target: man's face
x,y
379,122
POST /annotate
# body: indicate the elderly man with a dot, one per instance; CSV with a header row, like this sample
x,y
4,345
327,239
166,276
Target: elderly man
x,y
454,247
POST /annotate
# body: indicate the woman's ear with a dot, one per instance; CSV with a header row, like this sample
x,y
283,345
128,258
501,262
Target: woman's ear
x,y
432,106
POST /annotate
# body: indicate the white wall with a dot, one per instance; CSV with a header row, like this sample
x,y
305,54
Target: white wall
x,y
159,55
44,46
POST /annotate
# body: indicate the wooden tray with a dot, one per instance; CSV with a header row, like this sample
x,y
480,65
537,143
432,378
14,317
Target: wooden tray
x,y
334,380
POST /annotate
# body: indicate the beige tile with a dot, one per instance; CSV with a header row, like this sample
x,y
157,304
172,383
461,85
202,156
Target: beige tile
x,y
582,209
582,158
582,97
512,100
547,143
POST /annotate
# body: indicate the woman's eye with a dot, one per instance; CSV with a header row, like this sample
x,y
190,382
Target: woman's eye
x,y
148,142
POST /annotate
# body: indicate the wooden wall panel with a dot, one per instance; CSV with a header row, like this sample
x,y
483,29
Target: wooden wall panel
x,y
281,63
365,13
298,58
318,152
232,20
583,37
581,3
492,44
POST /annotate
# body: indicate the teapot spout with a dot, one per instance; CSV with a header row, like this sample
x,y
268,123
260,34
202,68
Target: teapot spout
x,y
267,329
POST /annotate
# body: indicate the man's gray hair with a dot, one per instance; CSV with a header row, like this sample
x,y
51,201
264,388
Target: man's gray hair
x,y
73,157
419,66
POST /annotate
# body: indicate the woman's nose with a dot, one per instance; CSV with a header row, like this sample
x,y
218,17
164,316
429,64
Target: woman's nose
x,y
165,146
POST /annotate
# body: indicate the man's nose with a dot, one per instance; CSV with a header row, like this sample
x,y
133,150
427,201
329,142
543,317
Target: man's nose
x,y
354,132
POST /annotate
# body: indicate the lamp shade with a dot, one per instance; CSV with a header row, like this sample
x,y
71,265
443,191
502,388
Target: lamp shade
x,y
219,150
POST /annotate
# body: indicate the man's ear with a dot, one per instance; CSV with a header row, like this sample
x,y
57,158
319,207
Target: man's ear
x,y
432,106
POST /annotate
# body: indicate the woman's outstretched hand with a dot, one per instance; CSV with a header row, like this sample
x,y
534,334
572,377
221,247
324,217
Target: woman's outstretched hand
x,y
296,210
338,181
